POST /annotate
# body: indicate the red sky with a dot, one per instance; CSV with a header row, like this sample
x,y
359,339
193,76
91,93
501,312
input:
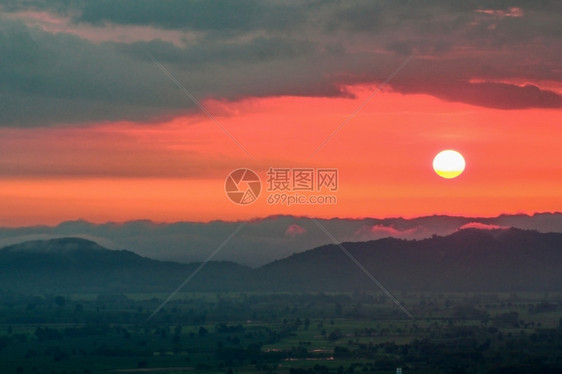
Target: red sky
x,y
175,170
98,118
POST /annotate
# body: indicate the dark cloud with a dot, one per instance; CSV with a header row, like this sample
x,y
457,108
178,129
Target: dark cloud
x,y
60,78
269,48
500,95
47,79
194,14
258,50
59,6
217,15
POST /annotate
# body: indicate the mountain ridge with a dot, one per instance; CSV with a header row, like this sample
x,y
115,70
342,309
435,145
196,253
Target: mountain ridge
x,y
81,265
67,244
467,260
263,240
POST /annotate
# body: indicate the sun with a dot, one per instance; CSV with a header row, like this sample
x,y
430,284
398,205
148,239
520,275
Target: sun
x,y
449,164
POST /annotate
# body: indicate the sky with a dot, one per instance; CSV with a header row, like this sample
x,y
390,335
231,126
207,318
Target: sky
x,y
140,109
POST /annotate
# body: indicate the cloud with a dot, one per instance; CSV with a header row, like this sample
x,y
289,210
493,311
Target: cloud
x,y
51,79
492,94
259,49
378,231
501,13
294,230
220,15
55,79
390,230
463,52
482,226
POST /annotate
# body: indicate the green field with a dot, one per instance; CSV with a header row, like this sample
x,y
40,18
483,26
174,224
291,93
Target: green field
x,y
280,333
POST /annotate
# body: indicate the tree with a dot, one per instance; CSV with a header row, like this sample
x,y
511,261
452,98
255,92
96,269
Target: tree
x,y
60,301
338,309
203,331
335,335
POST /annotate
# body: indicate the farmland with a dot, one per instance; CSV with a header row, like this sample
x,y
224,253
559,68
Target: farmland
x,y
281,333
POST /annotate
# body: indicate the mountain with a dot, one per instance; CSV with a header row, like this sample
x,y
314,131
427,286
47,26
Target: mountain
x,y
263,240
79,265
468,260
54,247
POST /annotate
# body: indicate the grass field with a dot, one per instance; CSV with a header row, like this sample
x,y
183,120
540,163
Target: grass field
x,y
281,333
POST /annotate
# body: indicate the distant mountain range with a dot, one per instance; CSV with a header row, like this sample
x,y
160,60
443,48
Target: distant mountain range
x,y
79,265
261,241
468,260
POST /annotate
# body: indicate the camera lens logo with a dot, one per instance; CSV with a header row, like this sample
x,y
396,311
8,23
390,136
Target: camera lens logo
x,y
242,186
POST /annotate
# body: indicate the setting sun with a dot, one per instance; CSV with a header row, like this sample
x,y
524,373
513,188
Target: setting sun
x,y
449,164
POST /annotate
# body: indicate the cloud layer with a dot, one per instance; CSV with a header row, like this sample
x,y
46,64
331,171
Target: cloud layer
x,y
54,70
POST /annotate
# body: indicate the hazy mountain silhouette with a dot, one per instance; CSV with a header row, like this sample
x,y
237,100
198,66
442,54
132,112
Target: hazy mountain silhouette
x,y
74,264
262,240
467,260
58,247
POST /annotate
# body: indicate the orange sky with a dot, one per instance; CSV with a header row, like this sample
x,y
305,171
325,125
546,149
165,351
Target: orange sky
x,y
176,170
99,114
